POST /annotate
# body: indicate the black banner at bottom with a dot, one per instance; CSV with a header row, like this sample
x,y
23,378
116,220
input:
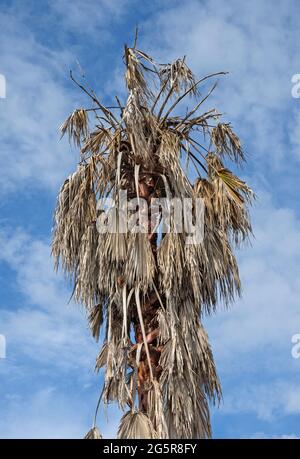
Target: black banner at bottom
x,y
144,448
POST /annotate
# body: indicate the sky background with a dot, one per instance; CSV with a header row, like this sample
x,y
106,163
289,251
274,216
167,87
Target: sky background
x,y
47,384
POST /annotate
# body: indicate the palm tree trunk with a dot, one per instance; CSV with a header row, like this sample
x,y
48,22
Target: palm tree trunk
x,y
149,310
149,307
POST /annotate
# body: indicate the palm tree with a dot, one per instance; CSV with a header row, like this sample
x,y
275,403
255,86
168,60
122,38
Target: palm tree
x,y
146,292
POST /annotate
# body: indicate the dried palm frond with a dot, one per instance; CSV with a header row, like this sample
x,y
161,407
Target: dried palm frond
x,y
140,264
177,76
235,187
102,357
134,75
136,425
227,142
111,254
164,328
219,270
95,319
116,355
76,125
75,211
169,159
97,140
204,189
187,414
142,128
156,410
225,208
197,345
86,281
93,434
170,257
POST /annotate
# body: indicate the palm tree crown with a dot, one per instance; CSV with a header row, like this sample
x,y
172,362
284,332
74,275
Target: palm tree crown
x,y
149,289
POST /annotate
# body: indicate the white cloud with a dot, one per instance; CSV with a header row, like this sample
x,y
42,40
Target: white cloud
x,y
269,312
41,325
51,413
91,16
268,400
35,105
292,405
39,93
45,414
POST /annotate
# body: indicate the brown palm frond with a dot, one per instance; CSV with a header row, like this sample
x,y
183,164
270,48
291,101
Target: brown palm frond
x,y
187,413
221,274
177,76
75,211
86,285
95,319
169,159
139,267
134,75
235,186
227,142
156,410
96,141
136,425
142,128
76,125
93,434
171,263
102,357
225,207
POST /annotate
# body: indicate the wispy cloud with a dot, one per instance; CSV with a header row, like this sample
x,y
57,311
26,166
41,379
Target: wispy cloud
x,y
269,313
36,102
91,16
40,325
269,402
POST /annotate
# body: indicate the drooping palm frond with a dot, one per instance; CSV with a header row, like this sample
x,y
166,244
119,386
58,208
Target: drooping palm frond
x,y
75,211
145,284
227,142
187,414
98,140
177,76
135,75
93,434
95,319
76,126
136,425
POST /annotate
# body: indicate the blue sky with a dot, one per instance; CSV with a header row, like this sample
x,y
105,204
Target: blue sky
x,y
47,384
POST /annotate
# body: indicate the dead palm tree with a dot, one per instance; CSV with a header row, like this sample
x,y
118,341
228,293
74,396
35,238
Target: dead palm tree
x,y
150,292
